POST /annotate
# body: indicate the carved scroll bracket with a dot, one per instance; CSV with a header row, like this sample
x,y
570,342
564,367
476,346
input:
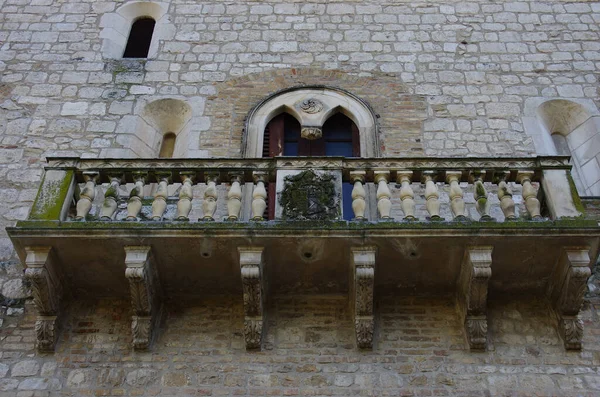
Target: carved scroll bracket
x,y
363,270
146,294
473,289
251,268
47,289
566,290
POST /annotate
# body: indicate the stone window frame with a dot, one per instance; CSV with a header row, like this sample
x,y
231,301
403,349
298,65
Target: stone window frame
x,y
577,121
117,25
330,101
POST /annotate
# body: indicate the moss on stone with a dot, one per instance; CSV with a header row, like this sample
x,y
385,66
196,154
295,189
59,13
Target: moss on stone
x,y
51,196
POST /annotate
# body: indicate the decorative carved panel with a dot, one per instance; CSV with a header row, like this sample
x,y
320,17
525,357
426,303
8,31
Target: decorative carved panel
x,y
251,265
47,290
363,269
145,291
472,289
566,291
310,196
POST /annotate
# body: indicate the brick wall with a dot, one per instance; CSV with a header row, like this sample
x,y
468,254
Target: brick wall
x,y
309,350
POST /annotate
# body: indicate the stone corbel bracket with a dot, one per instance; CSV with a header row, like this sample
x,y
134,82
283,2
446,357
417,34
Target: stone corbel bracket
x,y
253,284
566,289
474,277
146,297
363,271
47,289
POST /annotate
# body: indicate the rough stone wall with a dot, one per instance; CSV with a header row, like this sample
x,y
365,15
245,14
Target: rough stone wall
x,y
309,351
447,78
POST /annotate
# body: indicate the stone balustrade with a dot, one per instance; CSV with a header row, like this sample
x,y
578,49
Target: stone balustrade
x,y
389,190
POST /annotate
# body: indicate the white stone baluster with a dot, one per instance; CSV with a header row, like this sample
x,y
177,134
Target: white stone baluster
x,y
529,194
209,205
505,196
134,204
87,195
234,197
159,205
407,195
184,204
482,203
359,195
259,196
457,201
384,204
111,198
431,195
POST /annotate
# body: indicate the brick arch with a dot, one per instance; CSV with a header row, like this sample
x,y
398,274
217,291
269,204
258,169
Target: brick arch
x,y
400,113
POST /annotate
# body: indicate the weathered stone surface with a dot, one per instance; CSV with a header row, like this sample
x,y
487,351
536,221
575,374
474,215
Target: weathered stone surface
x,y
25,368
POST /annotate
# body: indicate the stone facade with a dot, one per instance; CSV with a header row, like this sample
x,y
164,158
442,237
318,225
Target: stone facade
x,y
444,78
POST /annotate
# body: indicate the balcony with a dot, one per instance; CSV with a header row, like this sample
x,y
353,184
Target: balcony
x,y
183,228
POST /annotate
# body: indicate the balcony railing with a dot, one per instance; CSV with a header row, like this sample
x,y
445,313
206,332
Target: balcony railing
x,y
191,227
393,190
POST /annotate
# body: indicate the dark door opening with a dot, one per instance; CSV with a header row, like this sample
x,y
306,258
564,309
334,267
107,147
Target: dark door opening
x,y
340,138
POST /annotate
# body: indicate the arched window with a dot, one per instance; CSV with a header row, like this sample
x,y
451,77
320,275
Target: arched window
x,y
140,37
167,147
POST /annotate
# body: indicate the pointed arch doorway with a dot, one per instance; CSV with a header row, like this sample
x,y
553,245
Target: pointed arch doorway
x,y
340,138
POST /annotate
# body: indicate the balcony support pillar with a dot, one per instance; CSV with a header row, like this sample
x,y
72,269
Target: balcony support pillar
x,y
566,289
363,270
384,204
431,195
359,195
234,196
209,205
87,195
159,205
146,297
529,194
253,285
457,202
47,290
482,203
111,198
184,204
472,294
134,204
259,196
407,195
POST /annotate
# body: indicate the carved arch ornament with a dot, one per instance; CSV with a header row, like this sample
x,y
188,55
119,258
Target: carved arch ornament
x,y
312,106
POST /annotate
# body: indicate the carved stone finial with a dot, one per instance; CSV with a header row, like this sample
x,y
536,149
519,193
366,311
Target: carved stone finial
x,y
473,287
47,289
566,290
311,133
251,264
363,266
145,290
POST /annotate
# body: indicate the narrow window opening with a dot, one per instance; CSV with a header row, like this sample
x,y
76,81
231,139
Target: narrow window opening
x,y
167,146
140,37
560,142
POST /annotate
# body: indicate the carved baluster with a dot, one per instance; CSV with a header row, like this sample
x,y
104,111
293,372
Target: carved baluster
x,y
134,204
566,290
184,204
41,272
457,202
384,205
111,198
529,195
259,196
234,197
363,265
481,202
159,205
87,195
251,268
507,203
431,195
407,195
144,286
473,282
358,195
209,205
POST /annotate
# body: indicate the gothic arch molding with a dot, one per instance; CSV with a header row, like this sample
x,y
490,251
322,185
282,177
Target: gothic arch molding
x,y
311,106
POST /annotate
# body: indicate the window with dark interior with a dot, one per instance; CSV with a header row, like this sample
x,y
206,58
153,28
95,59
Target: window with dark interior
x,y
340,138
140,37
167,146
